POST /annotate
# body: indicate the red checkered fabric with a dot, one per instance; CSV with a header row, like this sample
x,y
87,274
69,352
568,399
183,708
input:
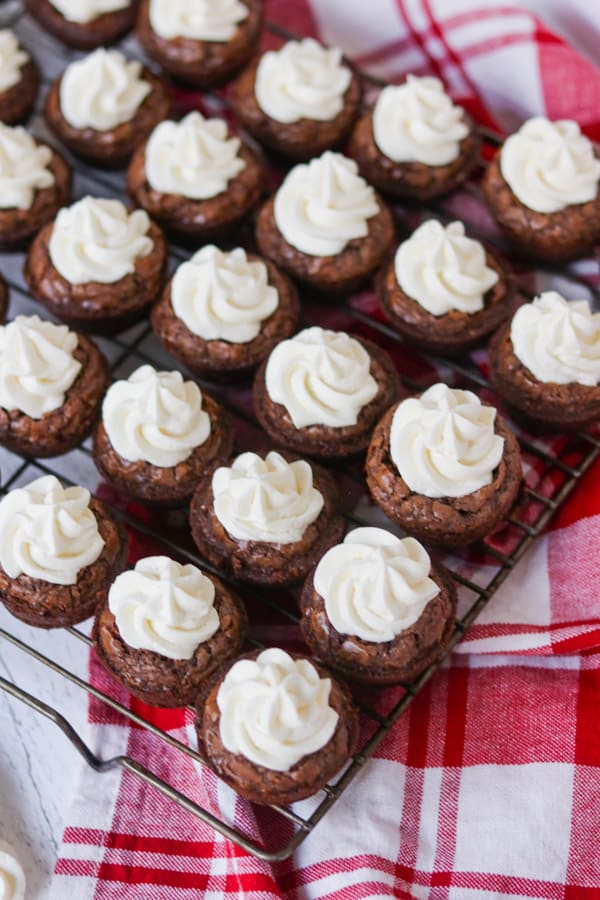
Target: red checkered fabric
x,y
489,787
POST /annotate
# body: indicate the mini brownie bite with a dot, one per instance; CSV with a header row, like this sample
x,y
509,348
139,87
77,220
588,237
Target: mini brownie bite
x,y
165,628
444,466
157,436
4,299
299,100
59,551
546,362
98,265
325,225
104,105
543,189
443,291
35,182
222,313
376,610
415,144
322,392
265,520
195,178
84,24
200,42
19,79
276,727
52,381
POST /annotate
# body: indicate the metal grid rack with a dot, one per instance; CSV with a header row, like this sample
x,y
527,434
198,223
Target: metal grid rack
x,y
557,470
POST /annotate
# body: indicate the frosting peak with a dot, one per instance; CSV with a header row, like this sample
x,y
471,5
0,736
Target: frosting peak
x,y
322,206
84,11
557,340
443,443
12,59
200,20
23,168
12,876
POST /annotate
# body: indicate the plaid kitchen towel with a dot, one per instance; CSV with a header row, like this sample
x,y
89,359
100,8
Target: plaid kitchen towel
x,y
489,787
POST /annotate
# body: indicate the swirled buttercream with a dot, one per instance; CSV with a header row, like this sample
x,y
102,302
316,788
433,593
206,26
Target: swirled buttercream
x,y
12,59
12,876
23,168
84,11
200,20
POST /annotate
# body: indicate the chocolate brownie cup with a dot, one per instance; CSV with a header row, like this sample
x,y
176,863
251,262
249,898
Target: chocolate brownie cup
x,y
158,435
543,189
202,44
104,105
322,392
222,313
265,520
415,144
165,628
443,291
444,466
52,381
376,610
84,24
330,238
19,79
98,266
299,100
36,182
276,727
195,178
546,363
59,552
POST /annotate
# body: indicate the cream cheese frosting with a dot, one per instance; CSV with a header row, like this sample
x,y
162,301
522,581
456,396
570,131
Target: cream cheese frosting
x,y
12,59
443,443
48,532
98,240
24,168
443,269
558,340
37,365
323,205
163,606
12,876
275,710
270,499
223,296
302,80
374,584
194,158
321,377
200,20
550,165
102,90
156,417
417,122
84,11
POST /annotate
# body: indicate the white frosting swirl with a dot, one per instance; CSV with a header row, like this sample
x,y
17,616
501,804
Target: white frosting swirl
x,y
37,365
303,80
156,417
48,532
23,168
417,122
322,206
442,269
102,90
194,158
268,499
321,377
12,876
550,165
275,710
223,296
84,11
200,20
98,240
557,340
375,585
443,443
165,607
12,59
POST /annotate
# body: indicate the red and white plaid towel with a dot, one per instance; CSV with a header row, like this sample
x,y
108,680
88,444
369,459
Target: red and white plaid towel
x,y
490,785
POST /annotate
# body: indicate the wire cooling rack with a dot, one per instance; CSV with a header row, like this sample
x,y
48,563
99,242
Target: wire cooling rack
x,y
553,468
